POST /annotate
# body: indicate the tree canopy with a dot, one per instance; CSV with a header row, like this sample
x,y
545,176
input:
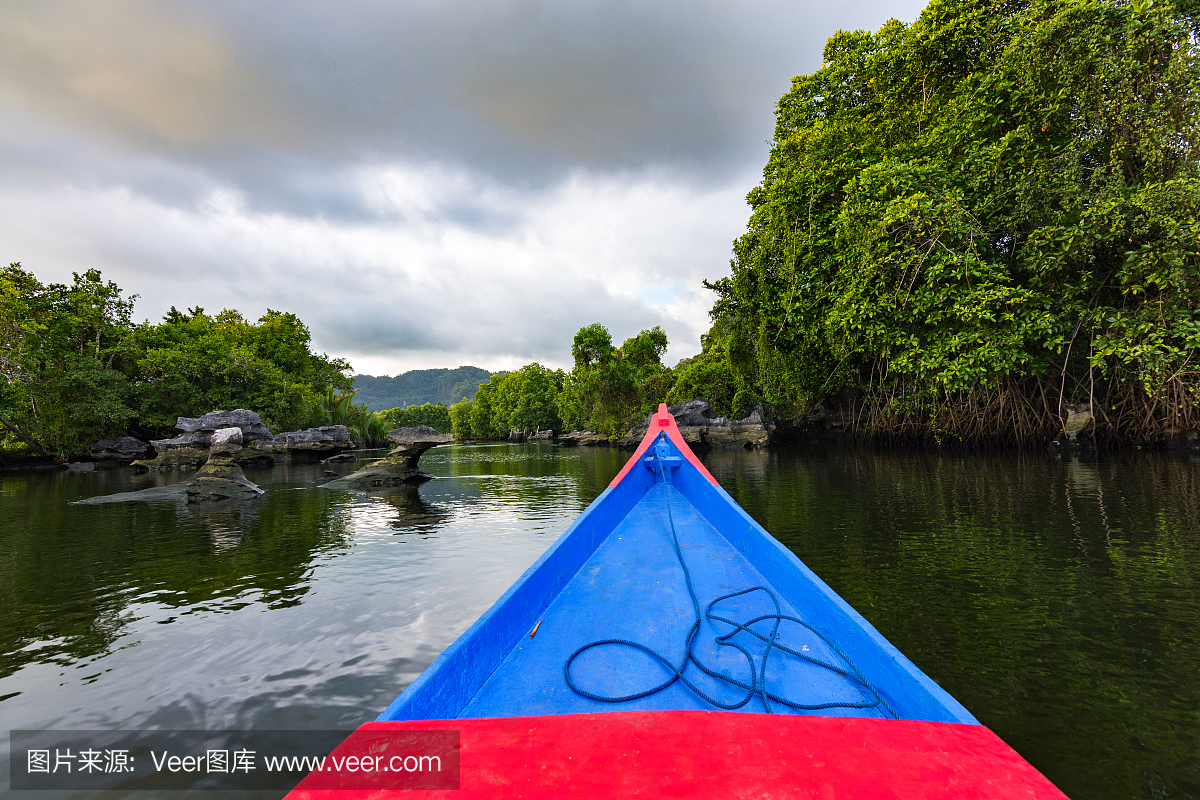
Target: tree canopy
x,y
991,208
74,368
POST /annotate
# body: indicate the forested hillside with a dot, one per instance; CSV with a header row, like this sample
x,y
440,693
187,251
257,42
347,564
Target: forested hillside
x,y
419,386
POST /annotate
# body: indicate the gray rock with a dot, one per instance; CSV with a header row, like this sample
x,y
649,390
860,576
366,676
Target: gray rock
x,y
753,431
691,413
191,448
220,479
400,465
326,439
191,440
251,425
172,458
699,425
583,439
121,448
81,466
175,492
225,440
1079,416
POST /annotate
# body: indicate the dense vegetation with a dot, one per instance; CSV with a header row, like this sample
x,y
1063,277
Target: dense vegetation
x,y
418,387
435,415
74,368
969,222
606,391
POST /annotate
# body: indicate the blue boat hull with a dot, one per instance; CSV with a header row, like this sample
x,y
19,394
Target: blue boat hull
x,y
614,574
637,658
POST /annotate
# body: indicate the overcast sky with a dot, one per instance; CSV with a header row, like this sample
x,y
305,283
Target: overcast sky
x,y
426,184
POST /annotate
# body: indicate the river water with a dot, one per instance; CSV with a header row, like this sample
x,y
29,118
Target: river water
x,y
1058,599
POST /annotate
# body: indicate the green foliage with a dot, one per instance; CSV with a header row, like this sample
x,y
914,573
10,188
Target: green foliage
x,y
192,363
435,415
74,369
460,418
999,192
62,355
610,388
705,380
338,408
419,386
371,426
525,400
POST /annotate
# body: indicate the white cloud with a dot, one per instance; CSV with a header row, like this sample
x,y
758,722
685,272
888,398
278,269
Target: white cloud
x,y
452,267
424,184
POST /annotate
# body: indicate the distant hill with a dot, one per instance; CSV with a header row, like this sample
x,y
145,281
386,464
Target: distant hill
x,y
419,386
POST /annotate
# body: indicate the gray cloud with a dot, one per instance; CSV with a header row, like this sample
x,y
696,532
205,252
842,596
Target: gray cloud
x,y
419,181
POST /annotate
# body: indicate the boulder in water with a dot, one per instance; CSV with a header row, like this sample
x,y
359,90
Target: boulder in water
x,y
400,465
121,449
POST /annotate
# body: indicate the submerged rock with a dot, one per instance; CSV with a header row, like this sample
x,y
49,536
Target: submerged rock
x,y
176,491
400,465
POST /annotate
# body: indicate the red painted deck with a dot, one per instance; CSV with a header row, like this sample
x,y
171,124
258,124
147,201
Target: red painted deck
x,y
703,754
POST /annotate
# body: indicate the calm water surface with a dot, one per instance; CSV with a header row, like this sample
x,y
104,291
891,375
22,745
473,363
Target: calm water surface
x,y
1059,600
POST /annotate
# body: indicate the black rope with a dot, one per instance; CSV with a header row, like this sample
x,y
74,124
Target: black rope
x,y
758,679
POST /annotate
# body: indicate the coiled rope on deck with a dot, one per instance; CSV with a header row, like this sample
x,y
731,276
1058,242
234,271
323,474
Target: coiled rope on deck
x,y
758,678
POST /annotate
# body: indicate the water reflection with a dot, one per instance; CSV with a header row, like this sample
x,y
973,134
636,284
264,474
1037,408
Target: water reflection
x,y
412,513
1058,599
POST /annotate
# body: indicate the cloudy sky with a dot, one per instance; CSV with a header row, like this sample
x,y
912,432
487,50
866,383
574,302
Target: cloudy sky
x,y
425,183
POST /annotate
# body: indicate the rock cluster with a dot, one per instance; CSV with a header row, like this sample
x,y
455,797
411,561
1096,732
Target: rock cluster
x,y
400,465
247,422
256,445
191,448
220,479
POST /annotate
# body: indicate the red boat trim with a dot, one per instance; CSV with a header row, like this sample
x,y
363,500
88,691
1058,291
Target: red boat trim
x,y
701,754
663,421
